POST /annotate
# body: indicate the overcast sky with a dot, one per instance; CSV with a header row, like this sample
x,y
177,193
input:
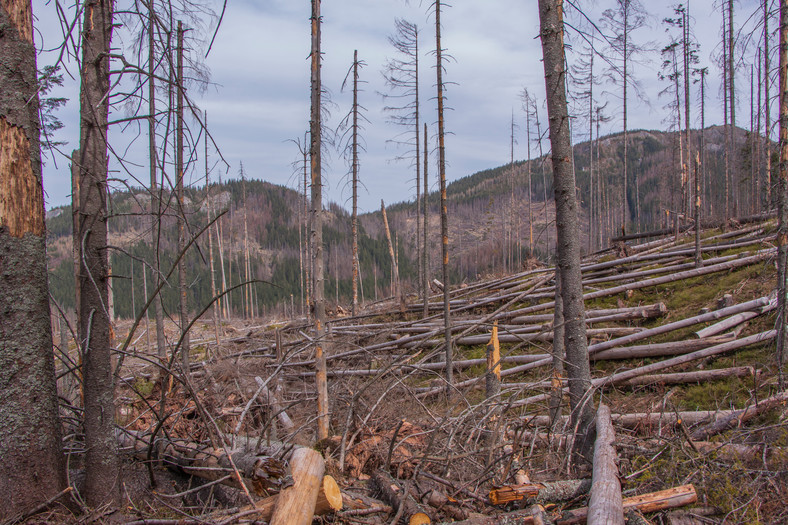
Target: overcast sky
x,y
259,97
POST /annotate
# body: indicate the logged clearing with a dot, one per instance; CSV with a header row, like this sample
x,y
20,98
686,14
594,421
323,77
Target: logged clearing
x,y
683,360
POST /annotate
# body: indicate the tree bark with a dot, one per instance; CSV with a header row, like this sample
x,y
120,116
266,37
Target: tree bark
x,y
605,505
183,309
155,197
90,236
354,169
568,245
316,240
395,269
782,237
444,209
28,402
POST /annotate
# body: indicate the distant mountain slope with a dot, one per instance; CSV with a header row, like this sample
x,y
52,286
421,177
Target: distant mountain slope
x,y
491,228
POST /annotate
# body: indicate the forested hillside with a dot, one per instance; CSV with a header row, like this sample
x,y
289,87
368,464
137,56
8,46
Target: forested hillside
x,y
489,226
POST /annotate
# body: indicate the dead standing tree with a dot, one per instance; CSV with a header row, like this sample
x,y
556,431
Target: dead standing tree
x,y
568,246
402,77
440,60
90,240
316,212
351,124
782,237
628,16
32,469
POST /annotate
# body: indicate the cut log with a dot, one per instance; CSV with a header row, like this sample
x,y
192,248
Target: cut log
x,y
540,492
329,500
651,502
405,504
296,504
605,504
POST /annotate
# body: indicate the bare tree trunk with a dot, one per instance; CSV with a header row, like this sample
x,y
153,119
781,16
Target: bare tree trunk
x,y
155,197
208,196
394,266
686,52
247,277
568,245
625,201
782,237
444,209
317,230
425,275
32,469
354,218
101,461
725,92
307,243
559,355
767,103
732,100
698,257
182,288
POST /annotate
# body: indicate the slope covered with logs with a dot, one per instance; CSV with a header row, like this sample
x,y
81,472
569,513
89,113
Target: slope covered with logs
x,y
684,374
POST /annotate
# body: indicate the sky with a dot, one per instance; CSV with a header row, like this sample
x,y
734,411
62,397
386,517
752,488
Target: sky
x,y
258,98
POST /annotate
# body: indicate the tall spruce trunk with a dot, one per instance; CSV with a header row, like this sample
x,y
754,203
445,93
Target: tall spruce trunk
x,y
183,308
444,209
155,197
687,136
767,109
32,469
425,261
568,237
90,235
317,231
736,189
625,201
782,237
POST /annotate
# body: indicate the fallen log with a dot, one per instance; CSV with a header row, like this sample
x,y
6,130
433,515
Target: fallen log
x,y
741,416
651,502
260,473
698,376
405,504
735,320
296,504
660,349
620,377
603,315
605,504
540,492
688,274
648,419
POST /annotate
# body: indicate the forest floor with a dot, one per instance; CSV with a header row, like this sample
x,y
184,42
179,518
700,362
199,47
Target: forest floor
x,y
690,407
